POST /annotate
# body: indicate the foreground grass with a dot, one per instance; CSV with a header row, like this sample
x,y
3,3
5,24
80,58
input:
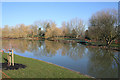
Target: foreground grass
x,y
39,69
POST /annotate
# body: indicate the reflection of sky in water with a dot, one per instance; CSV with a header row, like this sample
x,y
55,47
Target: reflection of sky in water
x,y
58,59
90,61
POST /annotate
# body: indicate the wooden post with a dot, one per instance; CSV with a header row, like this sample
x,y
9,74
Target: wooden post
x,y
12,58
9,59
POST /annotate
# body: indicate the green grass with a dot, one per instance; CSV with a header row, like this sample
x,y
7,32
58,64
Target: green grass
x,y
104,44
39,69
115,45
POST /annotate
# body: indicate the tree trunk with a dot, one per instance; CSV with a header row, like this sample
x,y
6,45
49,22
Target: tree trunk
x,y
109,42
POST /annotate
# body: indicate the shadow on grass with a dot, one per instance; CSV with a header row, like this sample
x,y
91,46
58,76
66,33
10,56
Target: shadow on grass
x,y
15,67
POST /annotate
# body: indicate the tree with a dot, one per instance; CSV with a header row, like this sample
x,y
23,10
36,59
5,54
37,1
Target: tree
x,y
65,29
34,29
74,33
50,31
104,26
41,33
48,26
78,25
87,35
6,31
43,24
53,31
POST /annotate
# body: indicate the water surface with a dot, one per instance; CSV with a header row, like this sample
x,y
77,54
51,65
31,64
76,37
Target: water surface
x,y
95,62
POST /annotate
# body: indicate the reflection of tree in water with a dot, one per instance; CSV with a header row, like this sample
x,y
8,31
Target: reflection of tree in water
x,y
102,63
52,47
20,46
34,45
74,45
65,49
46,48
77,51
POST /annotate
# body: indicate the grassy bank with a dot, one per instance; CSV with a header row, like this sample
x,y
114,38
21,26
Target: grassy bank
x,y
95,44
38,69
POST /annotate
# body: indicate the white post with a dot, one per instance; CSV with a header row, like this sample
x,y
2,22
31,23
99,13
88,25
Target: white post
x,y
12,58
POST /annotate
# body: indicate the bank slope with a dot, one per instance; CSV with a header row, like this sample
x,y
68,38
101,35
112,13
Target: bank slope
x,y
37,69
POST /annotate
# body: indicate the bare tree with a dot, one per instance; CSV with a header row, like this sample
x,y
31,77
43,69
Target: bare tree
x,y
78,25
53,31
74,33
104,25
74,24
65,29
5,31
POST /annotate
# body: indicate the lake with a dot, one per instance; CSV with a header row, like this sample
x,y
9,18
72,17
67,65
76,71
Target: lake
x,y
96,62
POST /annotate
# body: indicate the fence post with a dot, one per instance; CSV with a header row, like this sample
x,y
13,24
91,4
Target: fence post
x,y
12,58
9,59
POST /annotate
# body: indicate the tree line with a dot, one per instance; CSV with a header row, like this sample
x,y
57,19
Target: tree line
x,y
103,26
47,29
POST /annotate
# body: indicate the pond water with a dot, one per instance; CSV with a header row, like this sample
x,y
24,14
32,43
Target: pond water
x,y
91,61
